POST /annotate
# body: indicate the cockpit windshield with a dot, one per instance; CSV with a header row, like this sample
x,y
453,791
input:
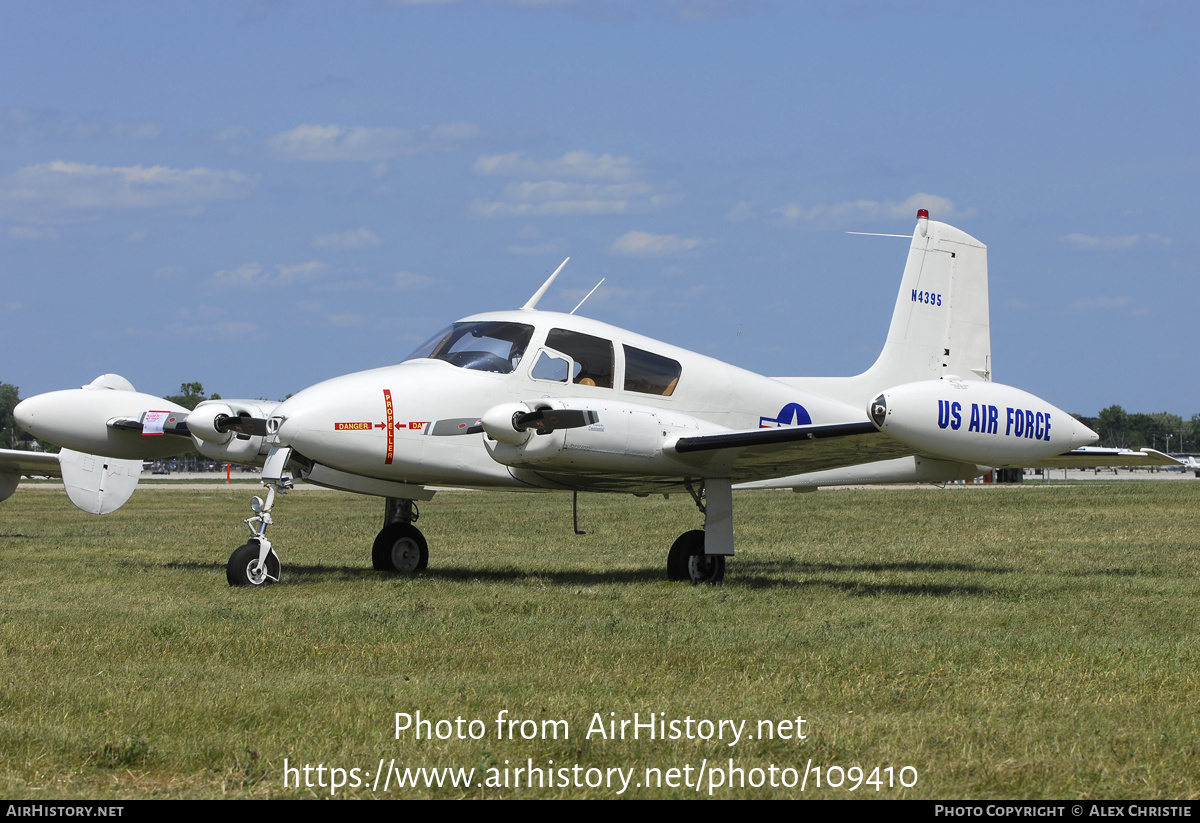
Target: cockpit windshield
x,y
487,346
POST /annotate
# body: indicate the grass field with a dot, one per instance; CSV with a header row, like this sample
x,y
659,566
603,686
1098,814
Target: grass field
x,y
1003,642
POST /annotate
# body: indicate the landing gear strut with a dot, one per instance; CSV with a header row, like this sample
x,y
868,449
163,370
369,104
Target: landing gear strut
x,y
400,547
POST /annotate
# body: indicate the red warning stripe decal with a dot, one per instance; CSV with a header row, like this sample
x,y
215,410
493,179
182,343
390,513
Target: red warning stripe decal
x,y
343,427
391,429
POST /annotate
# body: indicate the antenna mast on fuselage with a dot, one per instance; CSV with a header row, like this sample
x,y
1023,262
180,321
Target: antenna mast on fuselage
x,y
532,302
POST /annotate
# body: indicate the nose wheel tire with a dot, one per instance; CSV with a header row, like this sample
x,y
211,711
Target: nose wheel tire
x,y
243,568
687,561
400,548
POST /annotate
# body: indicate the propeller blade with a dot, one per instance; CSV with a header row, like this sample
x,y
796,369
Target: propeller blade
x,y
241,425
454,425
548,420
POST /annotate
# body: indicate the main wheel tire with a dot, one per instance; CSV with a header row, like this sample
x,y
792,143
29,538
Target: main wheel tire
x,y
400,547
706,568
684,547
243,569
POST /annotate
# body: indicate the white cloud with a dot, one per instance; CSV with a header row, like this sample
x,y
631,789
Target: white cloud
x,y
1127,241
352,239
558,198
940,208
644,244
407,280
362,143
579,182
302,271
744,210
60,186
574,165
345,319
225,329
253,274
245,273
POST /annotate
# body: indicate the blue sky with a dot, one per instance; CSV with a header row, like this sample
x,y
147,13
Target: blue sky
x,y
259,196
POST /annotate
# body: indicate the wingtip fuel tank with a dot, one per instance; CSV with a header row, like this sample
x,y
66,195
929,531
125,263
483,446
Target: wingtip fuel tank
x,y
977,421
79,419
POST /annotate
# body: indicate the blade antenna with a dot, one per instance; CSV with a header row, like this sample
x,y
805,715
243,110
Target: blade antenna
x,y
589,294
532,302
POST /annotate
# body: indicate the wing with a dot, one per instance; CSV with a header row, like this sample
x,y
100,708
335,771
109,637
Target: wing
x,y
32,464
16,464
760,454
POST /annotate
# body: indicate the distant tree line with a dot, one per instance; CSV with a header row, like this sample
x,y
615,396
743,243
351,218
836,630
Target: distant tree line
x,y
1161,430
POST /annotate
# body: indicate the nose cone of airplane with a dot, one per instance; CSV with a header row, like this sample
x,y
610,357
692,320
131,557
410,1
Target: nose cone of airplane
x,y
326,422
24,413
1079,434
49,416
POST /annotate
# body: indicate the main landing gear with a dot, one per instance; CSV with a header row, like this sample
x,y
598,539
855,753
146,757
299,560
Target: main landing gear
x,y
687,560
699,555
400,547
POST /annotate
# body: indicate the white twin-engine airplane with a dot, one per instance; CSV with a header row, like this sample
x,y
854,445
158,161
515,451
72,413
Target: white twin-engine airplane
x,y
534,400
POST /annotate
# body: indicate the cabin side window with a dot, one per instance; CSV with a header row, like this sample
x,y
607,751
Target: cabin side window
x,y
550,367
593,356
650,373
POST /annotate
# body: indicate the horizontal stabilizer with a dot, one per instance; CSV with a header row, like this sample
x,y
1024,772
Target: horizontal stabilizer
x,y
1090,457
98,485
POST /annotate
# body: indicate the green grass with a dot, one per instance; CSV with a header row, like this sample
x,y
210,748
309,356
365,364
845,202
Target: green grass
x,y
1028,642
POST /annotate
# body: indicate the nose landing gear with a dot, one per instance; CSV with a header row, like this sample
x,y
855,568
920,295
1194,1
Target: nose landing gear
x,y
255,563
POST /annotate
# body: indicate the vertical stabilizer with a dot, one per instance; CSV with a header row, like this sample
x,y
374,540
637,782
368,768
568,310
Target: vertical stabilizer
x,y
941,322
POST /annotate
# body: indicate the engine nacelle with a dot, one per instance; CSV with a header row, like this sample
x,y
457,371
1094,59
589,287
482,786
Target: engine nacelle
x,y
202,422
498,424
228,446
624,437
975,421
